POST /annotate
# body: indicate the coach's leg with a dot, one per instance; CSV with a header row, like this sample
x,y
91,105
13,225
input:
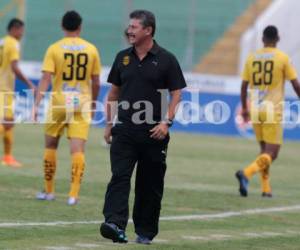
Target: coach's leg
x,y
123,156
149,189
77,146
51,144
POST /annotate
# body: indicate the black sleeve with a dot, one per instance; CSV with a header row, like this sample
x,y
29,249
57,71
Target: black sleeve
x,y
114,74
175,79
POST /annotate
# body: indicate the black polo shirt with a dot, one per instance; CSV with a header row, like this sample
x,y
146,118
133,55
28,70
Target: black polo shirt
x,y
144,81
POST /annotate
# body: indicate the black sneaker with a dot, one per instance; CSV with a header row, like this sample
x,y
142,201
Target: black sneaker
x,y
112,232
243,183
266,195
142,240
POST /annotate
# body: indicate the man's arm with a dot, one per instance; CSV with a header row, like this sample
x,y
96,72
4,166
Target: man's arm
x,y
19,74
296,86
111,111
175,100
42,88
244,94
161,130
95,91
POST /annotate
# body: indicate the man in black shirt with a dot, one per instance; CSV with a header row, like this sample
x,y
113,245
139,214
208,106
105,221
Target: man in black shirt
x,y
142,77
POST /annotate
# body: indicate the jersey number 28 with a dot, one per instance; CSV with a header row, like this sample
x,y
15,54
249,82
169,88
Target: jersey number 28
x,y
263,72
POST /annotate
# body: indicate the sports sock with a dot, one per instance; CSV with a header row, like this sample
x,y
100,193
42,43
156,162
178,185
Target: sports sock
x,y
1,129
265,181
261,163
78,165
8,141
49,169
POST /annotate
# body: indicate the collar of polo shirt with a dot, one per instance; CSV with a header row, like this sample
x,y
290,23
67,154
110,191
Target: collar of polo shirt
x,y
154,50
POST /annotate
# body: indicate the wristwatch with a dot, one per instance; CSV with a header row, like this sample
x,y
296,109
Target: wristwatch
x,y
169,122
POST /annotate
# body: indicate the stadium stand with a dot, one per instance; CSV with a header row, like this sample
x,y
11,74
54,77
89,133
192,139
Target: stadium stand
x,y
189,30
223,58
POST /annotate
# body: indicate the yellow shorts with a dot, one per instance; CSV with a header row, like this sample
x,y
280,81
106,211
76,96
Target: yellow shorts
x,y
76,123
268,131
6,105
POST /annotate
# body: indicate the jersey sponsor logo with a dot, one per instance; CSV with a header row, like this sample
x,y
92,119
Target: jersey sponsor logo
x,y
67,88
264,56
72,97
126,60
73,47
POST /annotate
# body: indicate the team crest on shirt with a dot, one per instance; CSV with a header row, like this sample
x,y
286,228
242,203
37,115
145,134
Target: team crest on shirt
x,y
126,60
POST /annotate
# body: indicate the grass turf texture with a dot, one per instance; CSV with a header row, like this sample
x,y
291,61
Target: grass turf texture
x,y
200,180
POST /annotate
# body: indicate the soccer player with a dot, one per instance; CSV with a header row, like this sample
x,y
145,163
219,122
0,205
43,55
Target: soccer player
x,y
264,74
9,58
73,65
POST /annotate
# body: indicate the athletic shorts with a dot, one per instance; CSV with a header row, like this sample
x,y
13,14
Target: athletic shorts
x,y
75,123
6,105
268,130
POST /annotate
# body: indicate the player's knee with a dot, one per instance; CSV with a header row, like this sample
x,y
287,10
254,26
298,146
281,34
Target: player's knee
x,y
77,146
51,143
7,125
274,156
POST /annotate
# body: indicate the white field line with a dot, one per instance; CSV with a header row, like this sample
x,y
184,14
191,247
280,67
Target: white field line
x,y
206,238
166,218
221,237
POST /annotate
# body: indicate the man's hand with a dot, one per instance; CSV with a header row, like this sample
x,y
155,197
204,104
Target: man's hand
x,y
245,114
160,131
107,133
32,86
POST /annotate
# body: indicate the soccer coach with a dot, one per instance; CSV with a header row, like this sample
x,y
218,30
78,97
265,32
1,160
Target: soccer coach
x,y
142,77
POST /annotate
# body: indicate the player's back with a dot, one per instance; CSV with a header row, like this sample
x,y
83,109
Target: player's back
x,y
72,60
266,71
9,51
268,68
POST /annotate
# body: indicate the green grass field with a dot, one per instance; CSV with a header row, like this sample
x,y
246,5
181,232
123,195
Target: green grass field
x,y
199,182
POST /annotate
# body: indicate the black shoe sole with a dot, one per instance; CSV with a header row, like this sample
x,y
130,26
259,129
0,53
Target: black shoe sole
x,y
243,191
110,233
142,242
266,195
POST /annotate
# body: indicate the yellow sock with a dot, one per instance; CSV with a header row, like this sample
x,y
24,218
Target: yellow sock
x,y
265,181
8,141
1,129
261,163
78,165
49,169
